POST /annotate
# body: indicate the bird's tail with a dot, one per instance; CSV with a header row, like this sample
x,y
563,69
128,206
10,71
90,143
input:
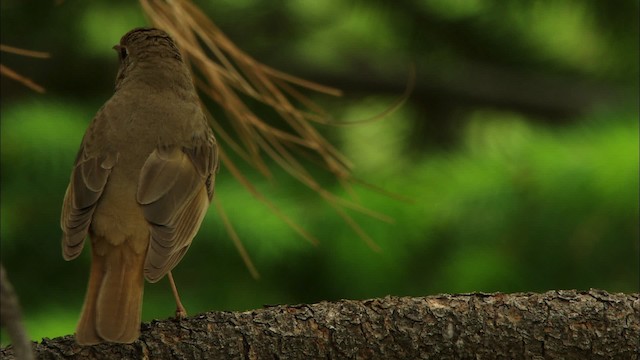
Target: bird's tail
x,y
113,305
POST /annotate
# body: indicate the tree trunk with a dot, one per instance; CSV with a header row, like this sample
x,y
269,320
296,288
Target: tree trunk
x,y
553,325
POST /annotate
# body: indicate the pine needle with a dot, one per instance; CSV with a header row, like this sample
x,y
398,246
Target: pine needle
x,y
227,75
11,74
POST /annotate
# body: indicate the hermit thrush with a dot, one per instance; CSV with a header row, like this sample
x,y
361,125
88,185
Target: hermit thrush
x,y
141,184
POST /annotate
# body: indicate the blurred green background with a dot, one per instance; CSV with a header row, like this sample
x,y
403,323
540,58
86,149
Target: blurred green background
x,y
518,149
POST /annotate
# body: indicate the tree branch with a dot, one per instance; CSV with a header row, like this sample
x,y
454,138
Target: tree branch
x,y
11,318
556,324
475,83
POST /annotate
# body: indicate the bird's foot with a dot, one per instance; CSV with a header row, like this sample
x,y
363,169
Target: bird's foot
x,y
181,312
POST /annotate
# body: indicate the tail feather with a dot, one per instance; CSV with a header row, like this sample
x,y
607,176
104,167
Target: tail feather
x,y
86,331
113,306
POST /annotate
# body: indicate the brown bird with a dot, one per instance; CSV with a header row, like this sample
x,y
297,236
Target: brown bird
x,y
141,185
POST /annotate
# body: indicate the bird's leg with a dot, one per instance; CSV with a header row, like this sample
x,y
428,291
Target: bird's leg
x,y
181,312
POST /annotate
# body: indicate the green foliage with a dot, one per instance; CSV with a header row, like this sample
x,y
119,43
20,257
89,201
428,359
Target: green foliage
x,y
509,202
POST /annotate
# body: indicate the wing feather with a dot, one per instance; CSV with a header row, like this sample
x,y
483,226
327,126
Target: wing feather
x,y
88,179
174,192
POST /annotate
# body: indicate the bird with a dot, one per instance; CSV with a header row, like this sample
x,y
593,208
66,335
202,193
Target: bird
x,y
141,184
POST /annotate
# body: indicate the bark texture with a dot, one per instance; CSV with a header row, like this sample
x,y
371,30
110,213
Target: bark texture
x,y
552,325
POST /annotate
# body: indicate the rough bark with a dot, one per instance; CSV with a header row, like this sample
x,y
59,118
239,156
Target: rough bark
x,y
552,325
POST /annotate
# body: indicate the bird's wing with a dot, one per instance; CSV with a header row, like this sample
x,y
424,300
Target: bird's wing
x,y
175,189
88,179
